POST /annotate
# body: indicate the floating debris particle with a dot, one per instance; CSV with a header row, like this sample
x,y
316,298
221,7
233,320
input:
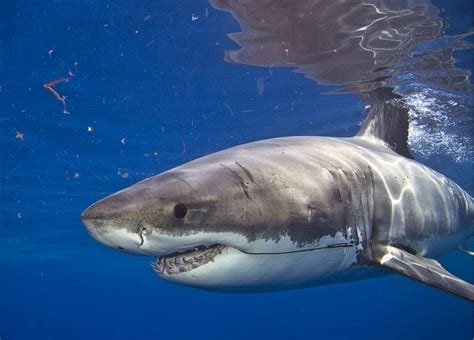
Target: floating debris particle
x,y
19,215
76,175
20,135
260,86
194,17
50,53
148,17
122,141
49,87
229,108
90,129
154,153
122,173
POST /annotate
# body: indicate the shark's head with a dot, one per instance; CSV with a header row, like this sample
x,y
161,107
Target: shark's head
x,y
234,220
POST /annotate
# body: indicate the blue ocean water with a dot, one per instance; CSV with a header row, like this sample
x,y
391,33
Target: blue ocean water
x,y
146,88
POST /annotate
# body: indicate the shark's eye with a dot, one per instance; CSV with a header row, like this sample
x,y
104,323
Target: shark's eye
x,y
180,211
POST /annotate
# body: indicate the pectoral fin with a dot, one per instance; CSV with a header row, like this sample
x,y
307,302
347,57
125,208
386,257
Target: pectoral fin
x,y
425,270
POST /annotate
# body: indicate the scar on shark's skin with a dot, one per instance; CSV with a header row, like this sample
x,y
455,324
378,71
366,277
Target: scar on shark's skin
x,y
239,178
247,172
189,185
49,87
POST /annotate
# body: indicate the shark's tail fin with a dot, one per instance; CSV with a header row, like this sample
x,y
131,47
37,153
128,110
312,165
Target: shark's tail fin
x,y
388,121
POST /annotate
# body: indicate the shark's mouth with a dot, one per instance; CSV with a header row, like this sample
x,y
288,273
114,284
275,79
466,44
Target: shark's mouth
x,y
189,259
185,261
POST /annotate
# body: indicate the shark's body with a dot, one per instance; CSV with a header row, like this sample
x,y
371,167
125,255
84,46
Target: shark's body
x,y
292,212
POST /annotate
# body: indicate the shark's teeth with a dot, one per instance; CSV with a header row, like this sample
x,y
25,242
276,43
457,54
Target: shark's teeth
x,y
177,263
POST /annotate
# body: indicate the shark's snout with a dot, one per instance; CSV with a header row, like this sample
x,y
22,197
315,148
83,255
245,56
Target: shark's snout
x,y
111,224
88,217
91,214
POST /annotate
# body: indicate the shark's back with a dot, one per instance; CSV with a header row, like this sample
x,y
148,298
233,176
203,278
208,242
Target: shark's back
x,y
404,202
394,199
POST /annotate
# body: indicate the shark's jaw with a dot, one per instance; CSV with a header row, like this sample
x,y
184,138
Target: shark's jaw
x,y
227,268
187,260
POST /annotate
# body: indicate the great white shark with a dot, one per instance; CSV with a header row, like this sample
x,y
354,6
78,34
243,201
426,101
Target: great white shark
x,y
295,212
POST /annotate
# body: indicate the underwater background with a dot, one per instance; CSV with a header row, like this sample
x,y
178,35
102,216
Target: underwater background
x,y
97,95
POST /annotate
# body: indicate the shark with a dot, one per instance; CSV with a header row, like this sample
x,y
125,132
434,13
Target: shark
x,y
294,212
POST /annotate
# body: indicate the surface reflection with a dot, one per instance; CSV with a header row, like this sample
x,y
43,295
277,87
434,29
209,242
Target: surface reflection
x,y
362,44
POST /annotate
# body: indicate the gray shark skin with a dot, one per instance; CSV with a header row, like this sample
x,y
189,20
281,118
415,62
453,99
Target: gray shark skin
x,y
295,212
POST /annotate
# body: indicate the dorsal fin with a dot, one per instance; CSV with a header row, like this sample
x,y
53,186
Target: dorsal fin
x,y
388,121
